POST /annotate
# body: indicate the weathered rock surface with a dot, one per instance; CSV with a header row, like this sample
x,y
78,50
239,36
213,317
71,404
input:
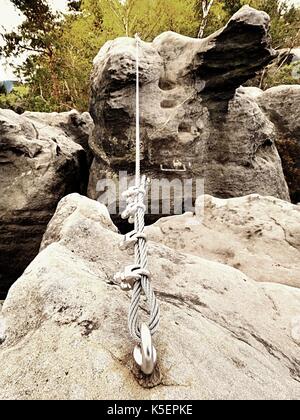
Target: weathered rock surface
x,y
282,105
65,323
77,126
191,115
42,158
2,324
258,235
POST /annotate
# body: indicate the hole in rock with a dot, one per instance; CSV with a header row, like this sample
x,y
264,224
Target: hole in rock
x,y
184,128
166,84
168,103
267,143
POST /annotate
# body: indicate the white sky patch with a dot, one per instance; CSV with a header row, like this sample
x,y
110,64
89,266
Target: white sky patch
x,y
10,18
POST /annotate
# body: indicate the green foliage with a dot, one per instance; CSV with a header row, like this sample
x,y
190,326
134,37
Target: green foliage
x,y
62,48
2,89
284,75
14,100
285,20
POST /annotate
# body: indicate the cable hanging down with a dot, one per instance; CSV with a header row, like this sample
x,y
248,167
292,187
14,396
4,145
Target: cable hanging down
x,y
136,277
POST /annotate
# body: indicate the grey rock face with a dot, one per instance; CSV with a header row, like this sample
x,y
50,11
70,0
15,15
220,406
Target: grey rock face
x,y
41,159
191,114
282,105
64,323
258,235
77,126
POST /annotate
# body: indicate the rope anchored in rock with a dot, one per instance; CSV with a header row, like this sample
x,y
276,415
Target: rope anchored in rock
x,y
136,277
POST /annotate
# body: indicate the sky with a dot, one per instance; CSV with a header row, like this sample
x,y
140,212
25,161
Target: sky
x,y
9,19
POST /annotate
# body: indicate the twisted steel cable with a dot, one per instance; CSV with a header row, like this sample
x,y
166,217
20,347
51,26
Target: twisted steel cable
x,y
141,249
144,285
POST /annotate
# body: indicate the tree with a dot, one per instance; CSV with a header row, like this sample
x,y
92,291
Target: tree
x,y
206,6
38,37
74,5
35,33
60,48
147,17
232,6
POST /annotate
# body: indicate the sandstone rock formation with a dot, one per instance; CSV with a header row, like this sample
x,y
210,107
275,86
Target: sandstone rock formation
x,y
64,323
258,235
2,324
77,126
42,158
192,118
282,105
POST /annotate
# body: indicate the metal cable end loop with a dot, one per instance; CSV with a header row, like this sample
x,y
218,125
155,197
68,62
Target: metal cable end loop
x,y
145,354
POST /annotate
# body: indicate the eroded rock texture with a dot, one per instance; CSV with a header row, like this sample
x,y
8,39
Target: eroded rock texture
x,y
282,105
63,326
192,117
258,235
42,158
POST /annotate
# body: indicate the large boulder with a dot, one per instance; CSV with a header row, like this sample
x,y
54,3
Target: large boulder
x,y
282,105
258,235
42,158
194,124
78,126
64,333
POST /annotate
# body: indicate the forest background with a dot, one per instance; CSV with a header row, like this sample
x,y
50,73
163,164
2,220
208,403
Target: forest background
x,y
59,48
